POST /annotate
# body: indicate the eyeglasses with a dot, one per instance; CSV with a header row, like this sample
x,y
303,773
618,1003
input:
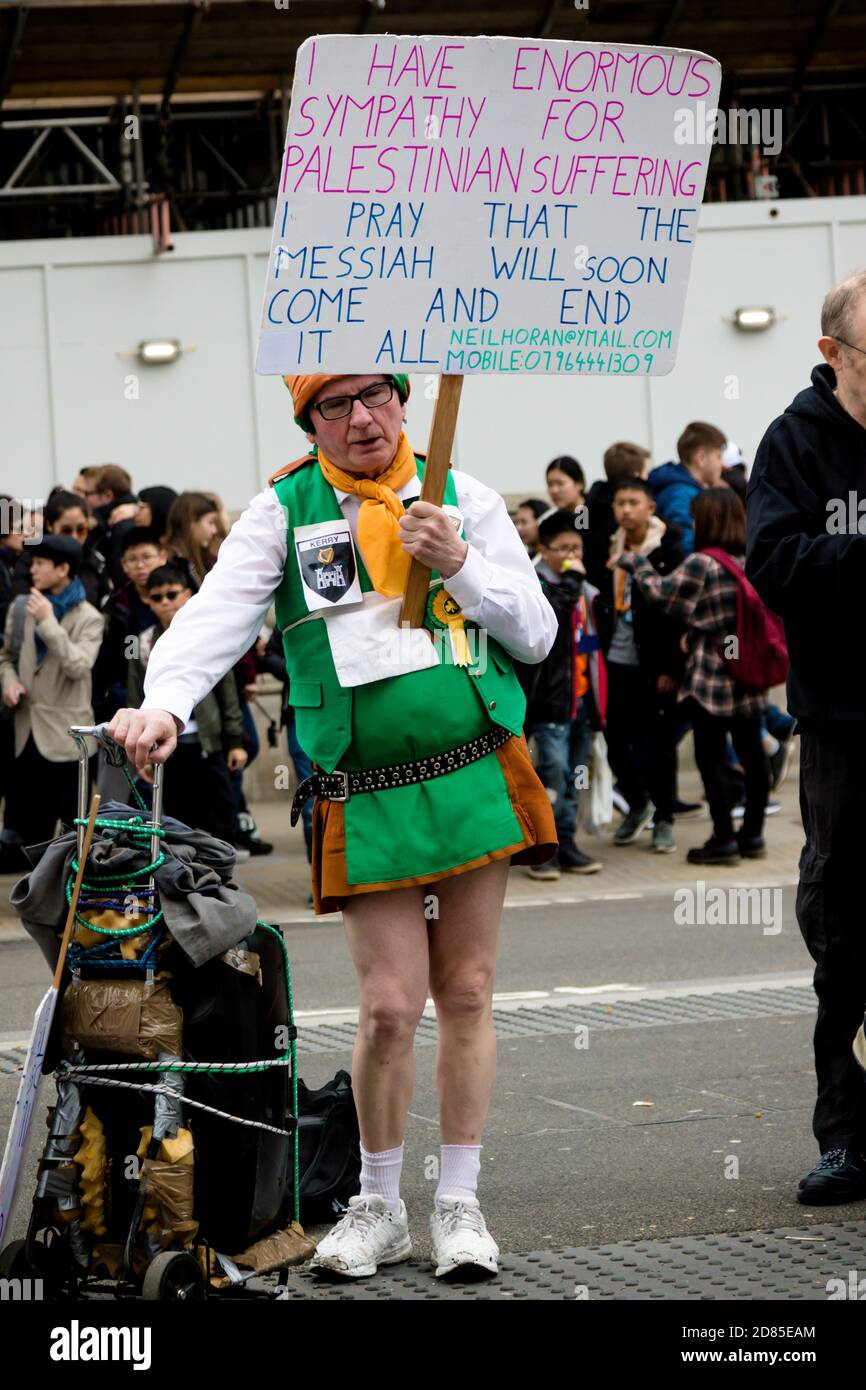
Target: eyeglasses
x,y
139,560
167,595
566,549
851,345
336,407
80,530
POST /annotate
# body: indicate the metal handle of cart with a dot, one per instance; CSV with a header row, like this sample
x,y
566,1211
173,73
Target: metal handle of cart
x,y
115,755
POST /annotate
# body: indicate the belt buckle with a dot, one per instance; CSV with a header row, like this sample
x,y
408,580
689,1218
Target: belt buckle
x,y
345,794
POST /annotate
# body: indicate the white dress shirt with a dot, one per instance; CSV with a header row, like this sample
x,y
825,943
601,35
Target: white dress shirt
x,y
496,587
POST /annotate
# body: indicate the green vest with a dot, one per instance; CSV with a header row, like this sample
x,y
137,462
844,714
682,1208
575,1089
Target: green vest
x,y
406,831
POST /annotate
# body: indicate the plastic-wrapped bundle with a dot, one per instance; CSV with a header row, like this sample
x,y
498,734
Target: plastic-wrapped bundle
x,y
168,1184
135,1017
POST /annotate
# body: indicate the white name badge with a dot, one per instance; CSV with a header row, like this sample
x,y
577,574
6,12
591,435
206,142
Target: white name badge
x,y
325,553
368,643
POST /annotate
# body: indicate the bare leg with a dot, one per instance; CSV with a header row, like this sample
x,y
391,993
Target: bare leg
x,y
462,963
387,935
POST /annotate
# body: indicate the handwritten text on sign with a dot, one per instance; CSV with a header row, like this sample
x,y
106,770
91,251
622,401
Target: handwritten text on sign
x,y
475,205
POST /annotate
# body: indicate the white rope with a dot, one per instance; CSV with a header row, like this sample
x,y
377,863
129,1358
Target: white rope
x,y
64,1071
79,1073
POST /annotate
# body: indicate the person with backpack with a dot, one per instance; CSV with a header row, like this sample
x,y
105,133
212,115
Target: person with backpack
x,y
703,594
807,558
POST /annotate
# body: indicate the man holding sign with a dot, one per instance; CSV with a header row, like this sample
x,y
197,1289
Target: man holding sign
x,y
468,206
425,790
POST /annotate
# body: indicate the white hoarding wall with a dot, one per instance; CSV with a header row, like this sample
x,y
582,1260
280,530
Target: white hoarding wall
x,y
73,392
485,205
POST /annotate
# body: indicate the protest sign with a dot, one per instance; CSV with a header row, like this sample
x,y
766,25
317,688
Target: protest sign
x,y
485,205
31,1078
22,1115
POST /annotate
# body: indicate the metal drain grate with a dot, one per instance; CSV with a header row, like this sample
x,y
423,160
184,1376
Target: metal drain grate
x,y
544,1020
759,1265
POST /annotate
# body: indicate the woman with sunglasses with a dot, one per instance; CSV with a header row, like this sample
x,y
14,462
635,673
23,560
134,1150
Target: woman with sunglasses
x,y
67,514
424,788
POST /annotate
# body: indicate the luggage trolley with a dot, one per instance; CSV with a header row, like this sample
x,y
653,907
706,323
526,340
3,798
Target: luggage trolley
x,y
174,1140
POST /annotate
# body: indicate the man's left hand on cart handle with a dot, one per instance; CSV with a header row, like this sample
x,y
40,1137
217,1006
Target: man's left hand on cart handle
x,y
148,735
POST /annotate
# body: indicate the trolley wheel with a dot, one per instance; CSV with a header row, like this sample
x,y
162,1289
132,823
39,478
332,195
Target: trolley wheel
x,y
48,1262
172,1277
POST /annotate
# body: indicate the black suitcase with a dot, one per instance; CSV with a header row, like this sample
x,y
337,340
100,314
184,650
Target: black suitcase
x,y
243,1182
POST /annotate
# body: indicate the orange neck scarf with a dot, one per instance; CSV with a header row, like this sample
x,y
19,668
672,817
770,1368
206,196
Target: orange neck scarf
x,y
379,516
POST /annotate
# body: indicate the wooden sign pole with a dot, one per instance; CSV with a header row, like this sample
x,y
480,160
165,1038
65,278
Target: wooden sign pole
x,y
442,429
76,889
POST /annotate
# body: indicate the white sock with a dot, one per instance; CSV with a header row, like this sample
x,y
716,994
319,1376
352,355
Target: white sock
x,y
380,1175
459,1169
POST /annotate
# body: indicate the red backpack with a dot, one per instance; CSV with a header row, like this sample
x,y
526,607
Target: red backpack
x,y
762,659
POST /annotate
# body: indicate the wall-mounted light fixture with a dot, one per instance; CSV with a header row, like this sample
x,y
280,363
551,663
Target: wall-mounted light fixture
x,y
159,351
753,319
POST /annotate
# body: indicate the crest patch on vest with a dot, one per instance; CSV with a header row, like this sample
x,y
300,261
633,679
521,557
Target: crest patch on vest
x,y
326,560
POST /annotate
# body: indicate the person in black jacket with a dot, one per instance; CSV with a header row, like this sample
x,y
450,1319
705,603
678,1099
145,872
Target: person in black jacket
x,y
14,557
806,556
127,613
560,710
644,666
114,506
621,460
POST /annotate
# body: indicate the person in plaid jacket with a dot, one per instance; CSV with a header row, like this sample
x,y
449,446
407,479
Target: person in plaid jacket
x,y
702,595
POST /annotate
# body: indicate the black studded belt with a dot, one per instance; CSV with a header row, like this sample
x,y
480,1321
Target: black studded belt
x,y
339,786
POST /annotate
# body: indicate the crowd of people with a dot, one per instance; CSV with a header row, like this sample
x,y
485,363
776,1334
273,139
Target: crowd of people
x,y
640,603
86,588
636,571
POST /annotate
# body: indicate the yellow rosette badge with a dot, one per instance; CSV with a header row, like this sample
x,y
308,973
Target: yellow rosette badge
x,y
447,611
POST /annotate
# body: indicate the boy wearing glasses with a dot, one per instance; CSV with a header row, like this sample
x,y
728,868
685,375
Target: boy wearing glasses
x,y
127,613
198,789
424,786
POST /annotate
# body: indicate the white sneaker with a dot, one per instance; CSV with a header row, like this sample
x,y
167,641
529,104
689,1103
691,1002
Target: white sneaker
x,y
367,1236
460,1236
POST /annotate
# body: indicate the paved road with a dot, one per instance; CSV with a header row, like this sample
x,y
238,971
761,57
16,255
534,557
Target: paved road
x,y
684,1107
